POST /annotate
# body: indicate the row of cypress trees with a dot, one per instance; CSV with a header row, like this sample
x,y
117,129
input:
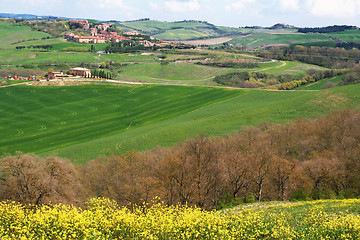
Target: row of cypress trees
x,y
100,74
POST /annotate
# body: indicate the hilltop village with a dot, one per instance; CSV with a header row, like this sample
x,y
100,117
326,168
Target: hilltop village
x,y
104,32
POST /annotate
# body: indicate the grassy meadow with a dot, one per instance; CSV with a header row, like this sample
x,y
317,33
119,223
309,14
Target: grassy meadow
x,y
173,73
153,26
249,108
320,84
40,119
179,30
263,38
11,34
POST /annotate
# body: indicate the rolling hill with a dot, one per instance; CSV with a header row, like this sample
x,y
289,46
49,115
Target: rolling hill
x,y
184,30
83,122
11,34
41,119
279,34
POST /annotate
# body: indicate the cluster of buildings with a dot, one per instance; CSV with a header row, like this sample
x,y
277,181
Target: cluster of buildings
x,y
95,37
99,34
78,71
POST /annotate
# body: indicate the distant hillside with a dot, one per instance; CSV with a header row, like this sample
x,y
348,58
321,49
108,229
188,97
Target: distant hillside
x,y
28,16
183,30
281,26
251,37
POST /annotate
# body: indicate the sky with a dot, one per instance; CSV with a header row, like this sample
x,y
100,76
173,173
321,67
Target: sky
x,y
231,13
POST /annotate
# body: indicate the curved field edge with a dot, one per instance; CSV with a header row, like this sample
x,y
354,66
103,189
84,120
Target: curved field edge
x,y
41,119
229,116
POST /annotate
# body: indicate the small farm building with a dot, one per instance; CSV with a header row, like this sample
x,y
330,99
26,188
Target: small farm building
x,y
79,71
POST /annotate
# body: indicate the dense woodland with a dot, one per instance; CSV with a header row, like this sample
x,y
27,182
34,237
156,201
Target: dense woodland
x,y
303,159
328,29
322,56
282,82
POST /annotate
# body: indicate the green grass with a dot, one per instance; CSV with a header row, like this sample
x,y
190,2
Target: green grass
x,y
50,41
250,108
320,84
287,67
318,44
20,57
98,46
39,119
10,33
180,34
262,39
347,36
154,26
17,57
173,72
179,30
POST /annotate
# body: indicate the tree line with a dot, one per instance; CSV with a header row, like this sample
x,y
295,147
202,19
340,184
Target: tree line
x,y
100,74
328,29
299,160
281,82
322,56
45,47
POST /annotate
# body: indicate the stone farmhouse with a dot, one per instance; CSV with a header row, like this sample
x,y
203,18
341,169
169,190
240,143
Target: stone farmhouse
x,y
79,71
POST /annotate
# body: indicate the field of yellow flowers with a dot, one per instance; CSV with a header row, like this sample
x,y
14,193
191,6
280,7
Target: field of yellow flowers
x,y
103,219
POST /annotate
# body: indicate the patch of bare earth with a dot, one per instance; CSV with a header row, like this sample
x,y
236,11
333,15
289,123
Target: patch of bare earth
x,y
208,41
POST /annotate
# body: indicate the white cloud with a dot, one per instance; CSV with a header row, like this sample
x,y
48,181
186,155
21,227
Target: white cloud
x,y
333,8
154,6
110,4
41,2
238,5
182,6
289,4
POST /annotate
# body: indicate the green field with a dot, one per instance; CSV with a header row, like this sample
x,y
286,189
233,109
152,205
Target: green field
x,y
11,34
287,67
184,73
179,30
39,119
154,26
249,108
180,34
320,84
262,39
347,36
17,58
60,43
175,73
